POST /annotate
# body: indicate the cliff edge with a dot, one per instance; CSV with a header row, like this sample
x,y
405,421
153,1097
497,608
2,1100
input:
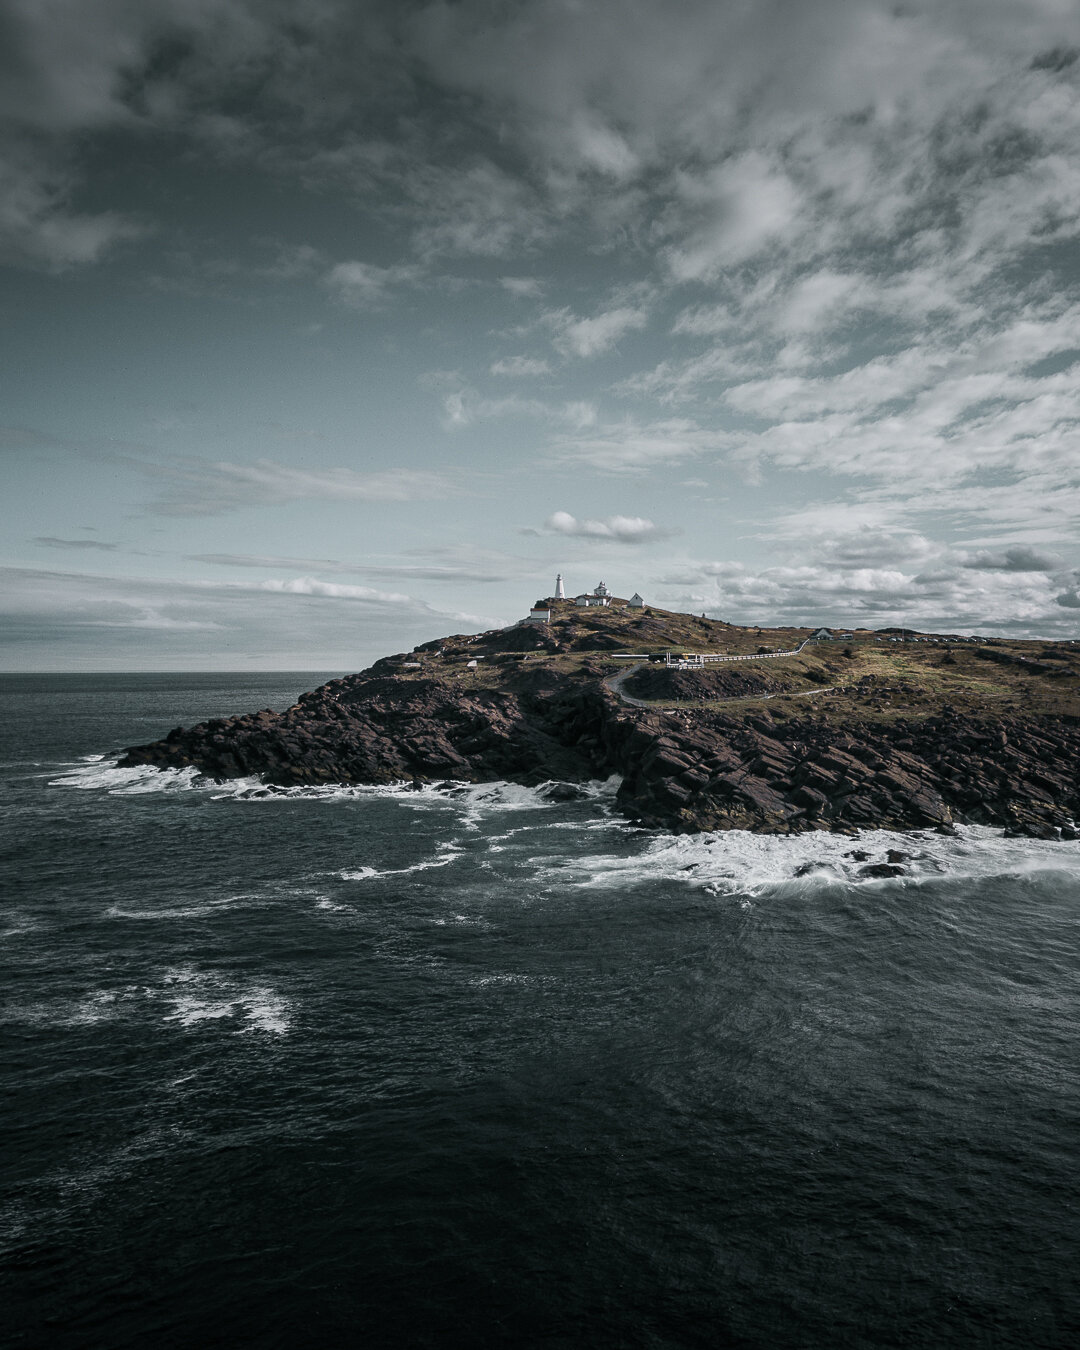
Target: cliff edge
x,y
868,730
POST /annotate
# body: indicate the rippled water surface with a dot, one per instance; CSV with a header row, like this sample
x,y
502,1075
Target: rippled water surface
x,y
353,1067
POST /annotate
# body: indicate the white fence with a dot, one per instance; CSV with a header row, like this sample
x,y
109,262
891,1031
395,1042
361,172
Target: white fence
x,y
700,658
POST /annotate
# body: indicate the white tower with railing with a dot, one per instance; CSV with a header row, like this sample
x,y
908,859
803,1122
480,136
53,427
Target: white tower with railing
x,y
560,593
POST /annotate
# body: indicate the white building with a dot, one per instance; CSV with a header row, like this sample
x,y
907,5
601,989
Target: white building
x,y
560,591
539,614
590,600
635,602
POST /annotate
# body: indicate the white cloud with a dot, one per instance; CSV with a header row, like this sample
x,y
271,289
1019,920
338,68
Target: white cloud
x,y
523,288
928,589
366,285
196,487
634,447
521,366
65,621
334,591
740,208
594,336
619,529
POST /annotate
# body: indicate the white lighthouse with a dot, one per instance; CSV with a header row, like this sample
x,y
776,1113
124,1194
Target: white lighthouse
x,y
560,593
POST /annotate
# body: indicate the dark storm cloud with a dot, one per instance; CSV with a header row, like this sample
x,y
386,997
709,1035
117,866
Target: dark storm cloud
x,y
568,110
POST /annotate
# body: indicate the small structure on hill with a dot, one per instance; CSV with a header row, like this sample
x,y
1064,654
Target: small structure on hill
x,y
539,613
590,600
560,590
635,602
822,635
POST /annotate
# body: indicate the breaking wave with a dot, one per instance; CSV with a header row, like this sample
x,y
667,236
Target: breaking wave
x,y
740,863
474,800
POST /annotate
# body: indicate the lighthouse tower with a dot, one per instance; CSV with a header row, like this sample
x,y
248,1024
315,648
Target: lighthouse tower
x,y
560,593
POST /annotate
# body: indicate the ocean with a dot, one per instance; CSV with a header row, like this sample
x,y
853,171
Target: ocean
x,y
471,1067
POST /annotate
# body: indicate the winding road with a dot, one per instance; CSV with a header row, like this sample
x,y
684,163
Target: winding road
x,y
615,684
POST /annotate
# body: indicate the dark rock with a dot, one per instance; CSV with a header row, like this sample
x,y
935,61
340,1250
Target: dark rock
x,y
882,870
564,792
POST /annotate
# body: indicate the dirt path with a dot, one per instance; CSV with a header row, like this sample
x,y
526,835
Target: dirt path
x,y
615,684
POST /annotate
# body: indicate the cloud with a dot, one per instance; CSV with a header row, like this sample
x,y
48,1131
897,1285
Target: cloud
x,y
1019,558
630,446
463,406
26,438
196,487
367,286
852,227
521,366
739,209
585,338
38,227
50,541
619,529
401,571
65,621
334,591
876,578
523,288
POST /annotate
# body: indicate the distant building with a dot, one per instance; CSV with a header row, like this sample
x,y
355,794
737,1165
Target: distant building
x,y
560,590
590,600
539,614
822,635
635,602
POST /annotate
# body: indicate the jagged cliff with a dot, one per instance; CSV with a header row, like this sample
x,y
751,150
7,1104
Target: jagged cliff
x,y
848,735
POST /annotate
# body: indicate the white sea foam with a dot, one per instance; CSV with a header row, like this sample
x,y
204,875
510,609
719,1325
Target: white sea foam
x,y
201,910
196,997
446,853
475,803
740,863
127,782
332,907
102,1005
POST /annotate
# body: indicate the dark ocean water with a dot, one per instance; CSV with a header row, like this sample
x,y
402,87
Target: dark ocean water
x,y
370,1068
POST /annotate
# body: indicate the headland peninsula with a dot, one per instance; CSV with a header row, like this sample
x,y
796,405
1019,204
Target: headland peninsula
x,y
844,730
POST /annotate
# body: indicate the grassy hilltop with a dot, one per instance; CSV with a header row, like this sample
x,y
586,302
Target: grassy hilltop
x,y
884,675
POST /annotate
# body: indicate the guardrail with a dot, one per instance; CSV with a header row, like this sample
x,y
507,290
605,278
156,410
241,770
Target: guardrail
x,y
703,657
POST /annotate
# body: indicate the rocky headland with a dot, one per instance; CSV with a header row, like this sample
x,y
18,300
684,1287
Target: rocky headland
x,y
874,730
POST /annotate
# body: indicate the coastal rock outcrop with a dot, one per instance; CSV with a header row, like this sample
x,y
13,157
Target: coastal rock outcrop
x,y
535,707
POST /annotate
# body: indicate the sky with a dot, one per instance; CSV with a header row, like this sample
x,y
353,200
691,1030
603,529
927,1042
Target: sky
x,y
333,326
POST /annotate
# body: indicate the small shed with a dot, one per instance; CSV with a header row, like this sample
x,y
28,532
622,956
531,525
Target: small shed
x,y
635,602
539,614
